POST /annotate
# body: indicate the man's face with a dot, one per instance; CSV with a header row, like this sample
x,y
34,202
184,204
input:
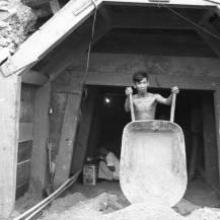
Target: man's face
x,y
142,85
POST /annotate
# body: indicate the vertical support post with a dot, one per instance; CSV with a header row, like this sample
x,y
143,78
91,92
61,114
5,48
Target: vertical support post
x,y
81,145
41,133
9,119
67,139
210,145
217,119
196,147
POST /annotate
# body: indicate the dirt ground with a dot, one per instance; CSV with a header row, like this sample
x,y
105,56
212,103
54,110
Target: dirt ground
x,y
105,201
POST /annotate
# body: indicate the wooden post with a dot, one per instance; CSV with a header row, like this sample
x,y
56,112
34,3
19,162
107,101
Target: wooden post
x,y
210,145
217,118
81,145
41,133
68,132
195,145
9,110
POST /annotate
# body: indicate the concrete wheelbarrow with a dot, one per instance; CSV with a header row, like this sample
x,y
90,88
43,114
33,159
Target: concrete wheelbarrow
x,y
153,160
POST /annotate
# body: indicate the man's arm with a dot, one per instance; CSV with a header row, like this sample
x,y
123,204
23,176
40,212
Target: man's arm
x,y
127,105
167,101
128,91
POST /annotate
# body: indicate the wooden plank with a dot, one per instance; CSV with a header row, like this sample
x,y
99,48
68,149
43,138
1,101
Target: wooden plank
x,y
40,137
81,146
146,19
210,144
47,37
9,111
34,78
157,81
25,132
65,22
64,157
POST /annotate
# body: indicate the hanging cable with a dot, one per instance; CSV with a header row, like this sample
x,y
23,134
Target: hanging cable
x,y
84,92
90,44
192,22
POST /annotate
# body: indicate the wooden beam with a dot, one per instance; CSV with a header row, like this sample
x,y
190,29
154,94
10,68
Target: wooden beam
x,y
61,25
75,54
9,110
64,157
81,145
40,138
217,119
47,37
143,20
34,78
177,3
160,81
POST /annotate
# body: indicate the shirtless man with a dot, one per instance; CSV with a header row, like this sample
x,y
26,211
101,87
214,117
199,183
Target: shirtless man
x,y
144,102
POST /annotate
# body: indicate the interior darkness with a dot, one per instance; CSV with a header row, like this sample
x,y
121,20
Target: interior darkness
x,y
109,119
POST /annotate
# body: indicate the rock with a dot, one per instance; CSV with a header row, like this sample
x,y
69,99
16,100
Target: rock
x,y
17,21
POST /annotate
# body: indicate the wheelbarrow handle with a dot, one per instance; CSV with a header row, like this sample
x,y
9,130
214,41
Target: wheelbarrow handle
x,y
173,107
131,107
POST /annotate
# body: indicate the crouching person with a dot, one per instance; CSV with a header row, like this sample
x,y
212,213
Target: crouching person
x,y
108,165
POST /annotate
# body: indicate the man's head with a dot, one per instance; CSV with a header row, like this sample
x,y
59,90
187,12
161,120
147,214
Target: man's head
x,y
141,81
138,76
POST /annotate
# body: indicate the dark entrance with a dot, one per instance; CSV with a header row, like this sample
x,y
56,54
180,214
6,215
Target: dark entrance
x,y
194,113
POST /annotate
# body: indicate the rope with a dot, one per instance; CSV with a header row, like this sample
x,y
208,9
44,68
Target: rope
x,y
192,22
217,3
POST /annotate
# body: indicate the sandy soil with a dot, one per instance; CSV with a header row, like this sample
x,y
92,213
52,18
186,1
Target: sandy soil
x,y
105,201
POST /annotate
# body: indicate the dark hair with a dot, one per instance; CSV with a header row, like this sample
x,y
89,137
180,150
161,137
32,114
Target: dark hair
x,y
138,76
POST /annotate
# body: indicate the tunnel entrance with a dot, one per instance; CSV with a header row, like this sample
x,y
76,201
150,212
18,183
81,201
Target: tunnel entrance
x,y
194,113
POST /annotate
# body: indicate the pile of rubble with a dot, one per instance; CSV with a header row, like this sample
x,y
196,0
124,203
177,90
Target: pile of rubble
x,y
17,22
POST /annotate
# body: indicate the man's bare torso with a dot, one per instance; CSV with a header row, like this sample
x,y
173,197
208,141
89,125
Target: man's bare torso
x,y
144,107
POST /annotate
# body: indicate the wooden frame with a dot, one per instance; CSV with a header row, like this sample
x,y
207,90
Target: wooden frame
x,y
9,121
161,81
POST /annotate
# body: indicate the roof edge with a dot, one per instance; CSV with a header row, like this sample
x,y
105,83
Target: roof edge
x,y
74,13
